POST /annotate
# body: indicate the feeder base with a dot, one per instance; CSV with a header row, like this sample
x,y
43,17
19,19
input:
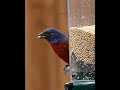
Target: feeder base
x,y
80,85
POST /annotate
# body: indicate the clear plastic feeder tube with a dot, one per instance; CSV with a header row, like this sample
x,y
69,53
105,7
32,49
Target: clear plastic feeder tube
x,y
81,24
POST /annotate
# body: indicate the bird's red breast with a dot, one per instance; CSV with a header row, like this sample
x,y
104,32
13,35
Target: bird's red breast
x,y
62,50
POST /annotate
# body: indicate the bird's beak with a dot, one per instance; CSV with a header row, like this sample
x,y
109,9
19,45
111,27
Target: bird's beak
x,y
41,35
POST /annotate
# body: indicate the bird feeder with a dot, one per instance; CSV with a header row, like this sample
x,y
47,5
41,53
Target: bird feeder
x,y
81,26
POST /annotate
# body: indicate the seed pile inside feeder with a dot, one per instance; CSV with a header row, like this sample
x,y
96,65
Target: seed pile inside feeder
x,y
82,49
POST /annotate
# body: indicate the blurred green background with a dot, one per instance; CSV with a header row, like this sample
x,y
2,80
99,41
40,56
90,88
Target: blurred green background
x,y
43,69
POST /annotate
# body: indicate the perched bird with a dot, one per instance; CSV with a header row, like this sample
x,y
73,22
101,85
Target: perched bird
x,y
59,42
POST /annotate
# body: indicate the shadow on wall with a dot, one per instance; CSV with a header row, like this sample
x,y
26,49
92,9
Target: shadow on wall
x,y
43,69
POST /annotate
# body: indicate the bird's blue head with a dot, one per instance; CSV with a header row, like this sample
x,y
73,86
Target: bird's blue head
x,y
52,35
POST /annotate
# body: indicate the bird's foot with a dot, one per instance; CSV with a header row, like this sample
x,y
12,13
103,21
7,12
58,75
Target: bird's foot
x,y
66,69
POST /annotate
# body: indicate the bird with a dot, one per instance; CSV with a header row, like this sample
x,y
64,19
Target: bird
x,y
59,42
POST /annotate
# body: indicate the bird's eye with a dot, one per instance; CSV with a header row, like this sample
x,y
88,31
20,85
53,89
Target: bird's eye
x,y
49,33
